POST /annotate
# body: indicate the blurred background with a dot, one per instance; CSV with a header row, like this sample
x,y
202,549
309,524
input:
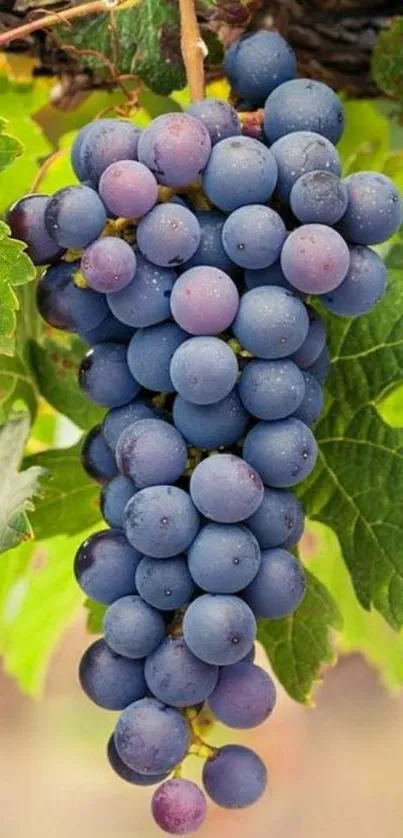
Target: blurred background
x,y
335,770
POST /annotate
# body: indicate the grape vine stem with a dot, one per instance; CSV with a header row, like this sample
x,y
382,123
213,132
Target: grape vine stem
x,y
49,20
193,49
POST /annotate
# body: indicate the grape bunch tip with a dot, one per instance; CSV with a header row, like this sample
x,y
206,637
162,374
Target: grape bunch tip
x,y
209,356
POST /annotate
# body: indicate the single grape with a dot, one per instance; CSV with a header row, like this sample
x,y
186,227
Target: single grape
x,y
125,773
150,353
219,118
204,370
77,160
132,628
168,235
210,250
109,141
75,216
224,558
96,458
279,521
314,342
253,236
114,497
176,677
105,566
52,297
321,367
105,376
110,680
165,585
219,629
161,521
128,189
150,737
271,389
175,147
273,275
258,63
26,219
279,586
362,288
312,404
225,488
301,152
108,264
146,299
211,425
319,198
240,171
88,309
285,451
271,322
244,697
303,105
315,259
110,330
235,777
151,452
179,807
119,418
374,210
204,301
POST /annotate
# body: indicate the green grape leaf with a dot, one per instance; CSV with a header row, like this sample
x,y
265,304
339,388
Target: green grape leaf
x,y
95,616
387,60
17,487
39,598
10,148
299,645
56,368
363,632
143,40
70,499
15,269
356,488
16,386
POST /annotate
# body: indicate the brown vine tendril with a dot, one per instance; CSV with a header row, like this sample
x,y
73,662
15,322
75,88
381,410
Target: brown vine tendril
x,y
49,20
193,49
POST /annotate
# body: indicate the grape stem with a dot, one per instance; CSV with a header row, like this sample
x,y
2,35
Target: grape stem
x,y
193,49
49,20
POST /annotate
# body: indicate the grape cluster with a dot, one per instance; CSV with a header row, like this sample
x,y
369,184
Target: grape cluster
x,y
210,363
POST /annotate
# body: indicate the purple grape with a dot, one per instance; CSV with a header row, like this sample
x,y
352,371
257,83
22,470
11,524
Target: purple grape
x,y
145,300
105,566
279,586
118,419
128,189
362,288
110,330
271,322
219,118
176,148
26,219
179,807
125,773
273,275
52,296
176,677
303,151
319,197
374,210
108,264
161,521
314,342
235,777
240,171
219,629
211,425
114,497
168,235
108,141
204,370
132,628
279,521
303,105
321,367
89,309
75,216
204,301
271,389
210,250
110,680
285,451
226,489
151,452
244,697
105,376
150,353
96,458
165,585
150,737
77,161
315,259
223,558
253,236
312,404
257,63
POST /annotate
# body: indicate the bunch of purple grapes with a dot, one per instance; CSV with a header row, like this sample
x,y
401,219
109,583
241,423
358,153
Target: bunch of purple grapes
x,y
210,362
